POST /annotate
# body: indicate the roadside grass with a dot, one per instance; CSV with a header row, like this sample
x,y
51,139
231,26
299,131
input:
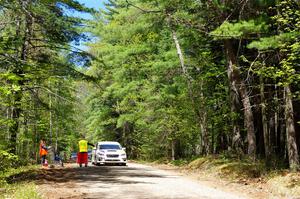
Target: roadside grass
x,y
24,190
279,181
233,169
16,183
285,183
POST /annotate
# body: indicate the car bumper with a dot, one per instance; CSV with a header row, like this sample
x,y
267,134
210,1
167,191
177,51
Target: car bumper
x,y
103,160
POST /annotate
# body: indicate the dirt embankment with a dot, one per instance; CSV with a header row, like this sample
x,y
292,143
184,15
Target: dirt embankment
x,y
239,176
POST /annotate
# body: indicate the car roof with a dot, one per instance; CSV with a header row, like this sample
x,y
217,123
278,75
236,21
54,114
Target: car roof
x,y
109,142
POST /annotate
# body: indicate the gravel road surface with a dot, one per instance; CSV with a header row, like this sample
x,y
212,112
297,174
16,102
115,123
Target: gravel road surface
x,y
134,181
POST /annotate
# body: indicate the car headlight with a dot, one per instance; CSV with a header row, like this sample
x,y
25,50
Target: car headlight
x,y
124,154
101,154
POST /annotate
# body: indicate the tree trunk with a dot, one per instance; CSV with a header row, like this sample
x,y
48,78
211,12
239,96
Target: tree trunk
x,y
276,122
265,123
200,111
14,126
18,71
282,141
240,87
56,134
56,126
205,140
290,131
249,124
173,149
36,138
236,140
8,117
179,53
50,119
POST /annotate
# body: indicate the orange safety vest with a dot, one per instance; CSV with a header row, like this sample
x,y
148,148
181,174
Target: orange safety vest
x,y
43,151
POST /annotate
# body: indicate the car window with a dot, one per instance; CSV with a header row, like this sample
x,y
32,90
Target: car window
x,y
109,146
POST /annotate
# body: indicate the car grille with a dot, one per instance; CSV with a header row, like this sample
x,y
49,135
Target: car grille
x,y
112,155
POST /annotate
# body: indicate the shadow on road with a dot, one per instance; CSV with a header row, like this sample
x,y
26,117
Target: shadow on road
x,y
104,174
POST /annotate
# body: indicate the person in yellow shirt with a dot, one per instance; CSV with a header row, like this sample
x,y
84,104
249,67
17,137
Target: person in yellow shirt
x,y
82,155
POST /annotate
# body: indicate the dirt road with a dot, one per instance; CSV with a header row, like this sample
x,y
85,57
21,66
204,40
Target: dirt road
x,y
134,181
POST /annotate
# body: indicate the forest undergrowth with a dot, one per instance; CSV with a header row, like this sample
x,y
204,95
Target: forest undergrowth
x,y
18,183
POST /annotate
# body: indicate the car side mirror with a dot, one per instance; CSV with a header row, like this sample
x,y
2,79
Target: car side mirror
x,y
124,149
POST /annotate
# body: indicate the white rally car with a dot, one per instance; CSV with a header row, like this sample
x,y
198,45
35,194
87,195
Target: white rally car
x,y
109,152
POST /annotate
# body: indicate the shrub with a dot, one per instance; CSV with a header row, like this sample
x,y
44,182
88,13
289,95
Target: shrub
x,y
7,160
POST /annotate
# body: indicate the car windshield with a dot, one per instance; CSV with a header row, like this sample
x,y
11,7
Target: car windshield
x,y
109,146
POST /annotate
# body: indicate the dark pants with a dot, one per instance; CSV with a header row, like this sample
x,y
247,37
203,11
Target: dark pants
x,y
43,158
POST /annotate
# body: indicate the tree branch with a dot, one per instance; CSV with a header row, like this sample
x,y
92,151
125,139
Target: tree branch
x,y
142,9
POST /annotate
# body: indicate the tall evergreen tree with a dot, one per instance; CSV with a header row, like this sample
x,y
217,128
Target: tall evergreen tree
x,y
32,41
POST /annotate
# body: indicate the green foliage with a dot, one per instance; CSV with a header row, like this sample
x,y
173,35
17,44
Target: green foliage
x,y
15,185
37,77
7,160
143,94
274,42
286,41
143,100
241,29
